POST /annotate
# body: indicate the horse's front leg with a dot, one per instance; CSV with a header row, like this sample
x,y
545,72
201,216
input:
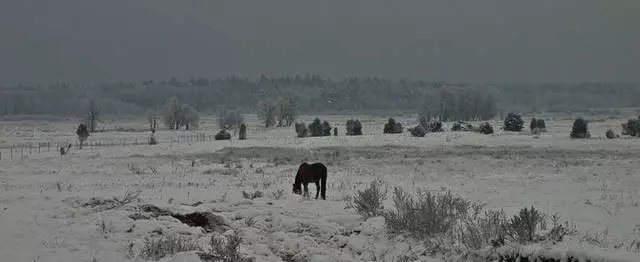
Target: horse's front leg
x,y
317,189
306,191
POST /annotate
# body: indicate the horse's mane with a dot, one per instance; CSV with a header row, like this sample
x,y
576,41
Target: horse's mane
x,y
298,179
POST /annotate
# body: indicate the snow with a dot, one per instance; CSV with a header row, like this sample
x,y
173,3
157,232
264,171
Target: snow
x,y
592,183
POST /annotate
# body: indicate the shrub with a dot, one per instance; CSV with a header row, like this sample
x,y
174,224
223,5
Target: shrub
x,y
335,131
254,195
301,130
354,127
461,126
418,131
446,220
580,129
486,128
243,132
611,135
368,203
513,122
631,128
490,229
223,135
522,227
392,127
426,215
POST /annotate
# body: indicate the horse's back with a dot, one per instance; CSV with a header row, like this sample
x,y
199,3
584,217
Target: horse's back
x,y
319,166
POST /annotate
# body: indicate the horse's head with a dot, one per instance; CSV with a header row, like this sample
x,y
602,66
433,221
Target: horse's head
x,y
297,189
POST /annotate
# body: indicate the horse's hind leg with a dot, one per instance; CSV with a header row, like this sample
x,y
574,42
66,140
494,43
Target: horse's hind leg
x,y
317,189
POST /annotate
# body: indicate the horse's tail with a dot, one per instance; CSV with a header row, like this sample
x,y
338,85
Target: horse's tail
x,y
323,183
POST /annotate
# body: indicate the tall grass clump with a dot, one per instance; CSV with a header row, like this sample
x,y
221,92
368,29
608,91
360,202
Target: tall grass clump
x,y
226,249
156,249
368,202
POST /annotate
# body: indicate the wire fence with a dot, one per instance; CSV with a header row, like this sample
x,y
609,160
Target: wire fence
x,y
29,149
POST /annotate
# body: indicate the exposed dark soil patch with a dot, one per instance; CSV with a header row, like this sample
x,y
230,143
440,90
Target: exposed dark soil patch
x,y
154,210
208,221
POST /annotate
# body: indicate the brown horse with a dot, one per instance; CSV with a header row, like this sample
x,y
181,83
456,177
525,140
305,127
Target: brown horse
x,y
307,173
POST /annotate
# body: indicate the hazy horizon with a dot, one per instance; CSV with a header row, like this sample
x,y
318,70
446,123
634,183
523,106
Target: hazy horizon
x,y
455,41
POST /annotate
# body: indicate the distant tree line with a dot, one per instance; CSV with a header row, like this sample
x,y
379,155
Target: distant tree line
x,y
274,96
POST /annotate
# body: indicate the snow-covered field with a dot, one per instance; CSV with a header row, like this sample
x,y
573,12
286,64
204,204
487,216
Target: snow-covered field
x,y
47,212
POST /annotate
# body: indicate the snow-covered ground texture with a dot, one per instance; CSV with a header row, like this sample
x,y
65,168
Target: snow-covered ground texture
x,y
107,203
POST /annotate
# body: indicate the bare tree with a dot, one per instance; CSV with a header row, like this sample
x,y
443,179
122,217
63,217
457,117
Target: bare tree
x,y
176,116
229,119
268,112
287,112
92,116
153,121
171,112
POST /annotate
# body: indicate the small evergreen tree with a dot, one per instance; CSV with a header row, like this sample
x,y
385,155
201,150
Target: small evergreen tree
x,y
326,128
316,127
243,132
513,122
580,129
354,127
631,128
83,133
392,127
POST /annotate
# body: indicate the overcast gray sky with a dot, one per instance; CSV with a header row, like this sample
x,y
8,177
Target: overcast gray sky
x,y
450,40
